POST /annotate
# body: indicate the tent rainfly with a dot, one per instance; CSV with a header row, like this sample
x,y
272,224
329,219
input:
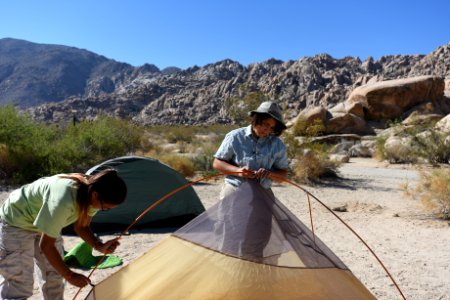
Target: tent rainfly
x,y
248,246
147,181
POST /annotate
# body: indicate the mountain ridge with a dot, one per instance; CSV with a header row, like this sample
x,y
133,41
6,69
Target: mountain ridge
x,y
197,95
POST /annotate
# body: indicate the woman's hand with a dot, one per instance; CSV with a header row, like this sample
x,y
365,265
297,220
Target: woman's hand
x,y
108,247
78,280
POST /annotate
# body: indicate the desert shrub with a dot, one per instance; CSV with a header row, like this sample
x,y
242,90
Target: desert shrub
x,y
413,144
434,146
311,160
393,123
89,143
26,146
175,134
150,145
239,106
403,149
293,146
203,161
433,190
31,150
379,147
313,165
181,164
302,128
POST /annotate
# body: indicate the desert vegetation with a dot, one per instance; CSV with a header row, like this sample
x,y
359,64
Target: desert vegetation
x,y
414,144
29,150
311,159
433,190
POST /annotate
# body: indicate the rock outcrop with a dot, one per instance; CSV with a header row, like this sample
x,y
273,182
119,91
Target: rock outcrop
x,y
390,99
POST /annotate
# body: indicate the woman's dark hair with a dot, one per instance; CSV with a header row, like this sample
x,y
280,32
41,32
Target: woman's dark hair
x,y
111,189
258,118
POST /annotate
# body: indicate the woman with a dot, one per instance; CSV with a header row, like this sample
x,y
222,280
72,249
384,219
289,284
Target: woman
x,y
251,153
255,151
31,220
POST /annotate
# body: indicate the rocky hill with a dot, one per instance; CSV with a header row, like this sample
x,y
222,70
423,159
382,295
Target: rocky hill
x,y
74,82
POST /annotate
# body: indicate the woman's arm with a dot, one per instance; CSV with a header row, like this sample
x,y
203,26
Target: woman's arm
x,y
88,236
47,245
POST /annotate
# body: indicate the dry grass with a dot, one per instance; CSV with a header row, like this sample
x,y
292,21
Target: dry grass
x,y
313,166
433,190
303,128
181,164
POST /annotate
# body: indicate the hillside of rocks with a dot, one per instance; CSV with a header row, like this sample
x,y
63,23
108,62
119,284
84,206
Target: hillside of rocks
x,y
90,84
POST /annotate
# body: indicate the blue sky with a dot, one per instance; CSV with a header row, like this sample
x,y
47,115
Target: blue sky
x,y
185,33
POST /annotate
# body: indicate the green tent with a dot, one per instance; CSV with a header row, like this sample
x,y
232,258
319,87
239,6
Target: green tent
x,y
147,181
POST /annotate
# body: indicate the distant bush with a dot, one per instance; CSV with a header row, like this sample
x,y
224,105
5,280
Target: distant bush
x,y
89,143
176,134
401,149
313,165
302,128
311,160
379,147
26,146
239,106
203,161
413,144
293,146
433,190
434,146
181,164
31,150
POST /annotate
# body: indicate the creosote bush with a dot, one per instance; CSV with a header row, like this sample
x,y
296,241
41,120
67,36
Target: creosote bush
x,y
310,159
181,164
239,106
433,190
413,144
314,165
302,128
31,150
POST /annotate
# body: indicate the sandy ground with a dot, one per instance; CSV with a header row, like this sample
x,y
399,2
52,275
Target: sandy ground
x,y
413,245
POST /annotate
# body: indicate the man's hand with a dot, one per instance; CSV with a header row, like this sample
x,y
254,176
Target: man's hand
x,y
246,172
262,173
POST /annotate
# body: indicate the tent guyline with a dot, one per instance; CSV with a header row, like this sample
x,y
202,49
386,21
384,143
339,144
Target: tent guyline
x,y
173,192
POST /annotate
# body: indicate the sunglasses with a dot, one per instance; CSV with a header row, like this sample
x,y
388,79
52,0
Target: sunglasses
x,y
102,208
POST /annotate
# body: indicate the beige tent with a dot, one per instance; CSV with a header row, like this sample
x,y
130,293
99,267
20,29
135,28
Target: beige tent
x,y
248,246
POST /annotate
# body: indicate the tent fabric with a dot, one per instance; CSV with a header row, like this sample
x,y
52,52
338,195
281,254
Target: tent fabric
x,y
248,246
147,181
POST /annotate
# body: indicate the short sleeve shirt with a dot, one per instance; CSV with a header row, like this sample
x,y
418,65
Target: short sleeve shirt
x,y
241,148
47,205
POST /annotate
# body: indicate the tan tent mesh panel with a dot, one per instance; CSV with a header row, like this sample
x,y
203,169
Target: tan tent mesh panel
x,y
248,246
